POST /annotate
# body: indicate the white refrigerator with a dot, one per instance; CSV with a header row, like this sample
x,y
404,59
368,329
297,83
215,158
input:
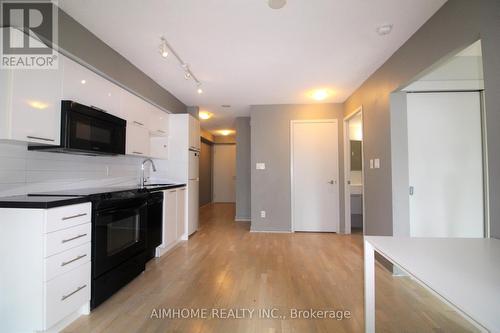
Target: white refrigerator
x,y
193,190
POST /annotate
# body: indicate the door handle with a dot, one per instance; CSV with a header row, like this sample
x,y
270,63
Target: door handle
x,y
332,182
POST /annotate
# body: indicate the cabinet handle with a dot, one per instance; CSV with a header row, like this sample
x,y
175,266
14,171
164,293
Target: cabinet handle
x,y
64,263
72,293
138,123
161,131
138,152
73,217
38,138
72,239
173,191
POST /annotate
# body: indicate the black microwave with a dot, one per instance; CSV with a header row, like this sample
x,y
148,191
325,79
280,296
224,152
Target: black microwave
x,y
88,131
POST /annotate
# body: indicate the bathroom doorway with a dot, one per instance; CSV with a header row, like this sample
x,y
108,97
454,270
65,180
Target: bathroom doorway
x,y
353,171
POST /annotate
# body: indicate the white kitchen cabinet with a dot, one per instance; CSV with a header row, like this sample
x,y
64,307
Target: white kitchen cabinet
x,y
194,133
31,104
159,147
169,218
45,272
86,87
136,110
174,218
36,106
137,141
181,213
158,123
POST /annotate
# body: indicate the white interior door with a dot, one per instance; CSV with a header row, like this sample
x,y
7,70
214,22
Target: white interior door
x,y
445,164
315,176
224,173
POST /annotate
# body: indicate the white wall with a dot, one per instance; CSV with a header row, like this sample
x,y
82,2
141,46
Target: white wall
x,y
23,171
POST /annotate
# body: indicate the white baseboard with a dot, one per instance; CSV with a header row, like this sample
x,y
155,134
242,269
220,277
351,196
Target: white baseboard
x,y
160,250
242,219
272,231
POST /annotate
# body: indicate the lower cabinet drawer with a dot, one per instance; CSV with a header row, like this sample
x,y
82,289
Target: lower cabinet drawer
x,y
66,239
66,261
66,294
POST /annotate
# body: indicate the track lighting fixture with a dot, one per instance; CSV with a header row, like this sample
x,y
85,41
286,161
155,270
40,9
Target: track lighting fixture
x,y
165,49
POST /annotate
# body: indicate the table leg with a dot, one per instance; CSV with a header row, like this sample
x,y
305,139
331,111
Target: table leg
x,y
369,287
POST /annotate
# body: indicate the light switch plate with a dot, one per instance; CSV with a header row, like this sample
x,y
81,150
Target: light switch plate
x,y
260,166
371,164
377,163
263,214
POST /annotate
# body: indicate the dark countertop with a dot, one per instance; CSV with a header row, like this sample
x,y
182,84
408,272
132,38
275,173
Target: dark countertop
x,y
39,202
69,197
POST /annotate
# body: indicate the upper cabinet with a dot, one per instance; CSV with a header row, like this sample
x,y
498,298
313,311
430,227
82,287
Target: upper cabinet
x,y
85,87
136,110
159,122
31,105
194,133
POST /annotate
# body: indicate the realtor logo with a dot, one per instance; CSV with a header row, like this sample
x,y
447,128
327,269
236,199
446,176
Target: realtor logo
x,y
29,32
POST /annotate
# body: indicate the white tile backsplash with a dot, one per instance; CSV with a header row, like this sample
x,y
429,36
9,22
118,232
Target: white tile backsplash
x,y
23,171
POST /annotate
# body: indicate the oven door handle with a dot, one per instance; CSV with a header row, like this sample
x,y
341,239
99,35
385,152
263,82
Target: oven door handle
x,y
114,210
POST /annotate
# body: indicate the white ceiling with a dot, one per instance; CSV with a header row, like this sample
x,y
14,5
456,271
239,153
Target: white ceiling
x,y
246,53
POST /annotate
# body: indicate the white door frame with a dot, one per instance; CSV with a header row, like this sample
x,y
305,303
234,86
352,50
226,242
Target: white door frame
x,y
292,122
347,169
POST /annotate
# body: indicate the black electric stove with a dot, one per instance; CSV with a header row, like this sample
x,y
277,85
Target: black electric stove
x,y
119,232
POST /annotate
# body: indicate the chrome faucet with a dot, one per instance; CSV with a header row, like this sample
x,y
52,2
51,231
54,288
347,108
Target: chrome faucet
x,y
143,178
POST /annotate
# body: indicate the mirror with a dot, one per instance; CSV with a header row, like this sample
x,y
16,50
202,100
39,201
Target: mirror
x,y
356,158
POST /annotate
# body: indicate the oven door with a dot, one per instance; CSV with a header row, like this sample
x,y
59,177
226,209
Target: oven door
x,y
119,234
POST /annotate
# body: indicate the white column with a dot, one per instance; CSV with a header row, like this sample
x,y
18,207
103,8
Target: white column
x,y
369,287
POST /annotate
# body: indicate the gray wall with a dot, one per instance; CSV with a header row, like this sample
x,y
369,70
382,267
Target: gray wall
x,y
79,42
399,167
206,164
453,27
270,143
243,171
490,35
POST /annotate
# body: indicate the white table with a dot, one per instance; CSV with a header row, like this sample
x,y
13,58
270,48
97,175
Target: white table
x,y
464,272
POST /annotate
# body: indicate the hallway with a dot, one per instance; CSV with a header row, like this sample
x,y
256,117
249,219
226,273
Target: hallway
x,y
224,266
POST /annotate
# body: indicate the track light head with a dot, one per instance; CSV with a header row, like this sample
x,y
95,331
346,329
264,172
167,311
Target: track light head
x,y
163,48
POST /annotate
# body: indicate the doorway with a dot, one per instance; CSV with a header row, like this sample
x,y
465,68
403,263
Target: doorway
x,y
353,171
315,175
437,140
224,182
445,164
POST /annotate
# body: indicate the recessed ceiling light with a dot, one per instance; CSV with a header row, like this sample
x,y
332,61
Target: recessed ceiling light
x,y
199,91
204,115
320,95
276,4
384,29
83,81
225,132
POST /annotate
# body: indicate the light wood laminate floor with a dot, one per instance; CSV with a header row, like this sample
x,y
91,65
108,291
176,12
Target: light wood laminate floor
x,y
224,266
